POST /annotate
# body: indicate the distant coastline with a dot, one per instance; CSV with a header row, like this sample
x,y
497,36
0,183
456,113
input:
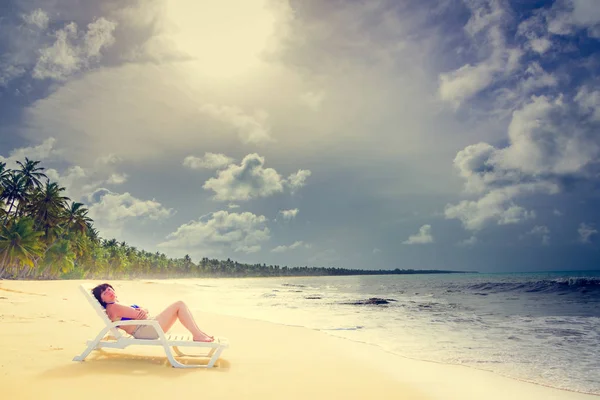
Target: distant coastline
x,y
46,235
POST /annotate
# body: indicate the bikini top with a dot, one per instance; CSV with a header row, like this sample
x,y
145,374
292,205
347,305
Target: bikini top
x,y
125,318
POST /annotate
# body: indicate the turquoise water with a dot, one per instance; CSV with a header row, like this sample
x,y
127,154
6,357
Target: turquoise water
x,y
539,327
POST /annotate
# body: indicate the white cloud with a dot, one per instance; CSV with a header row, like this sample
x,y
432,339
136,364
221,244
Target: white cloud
x,y
289,214
544,139
475,164
81,182
376,250
38,18
422,237
536,78
98,36
568,15
252,129
42,152
295,245
208,161
586,231
112,211
220,232
61,59
487,18
514,214
297,180
557,212
540,45
251,180
469,242
589,102
535,31
543,232
73,50
130,103
496,205
9,72
117,179
547,140
109,159
76,181
463,83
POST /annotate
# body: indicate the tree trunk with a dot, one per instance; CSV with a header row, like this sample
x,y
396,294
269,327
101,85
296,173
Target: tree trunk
x,y
9,210
22,273
3,265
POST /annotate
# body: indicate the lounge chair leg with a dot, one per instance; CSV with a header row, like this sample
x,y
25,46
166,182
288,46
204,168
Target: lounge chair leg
x,y
182,354
91,346
179,352
214,357
172,359
213,354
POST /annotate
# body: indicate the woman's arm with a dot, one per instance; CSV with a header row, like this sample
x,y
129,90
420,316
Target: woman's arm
x,y
115,311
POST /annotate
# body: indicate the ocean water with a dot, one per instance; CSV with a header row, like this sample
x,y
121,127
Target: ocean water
x,y
538,327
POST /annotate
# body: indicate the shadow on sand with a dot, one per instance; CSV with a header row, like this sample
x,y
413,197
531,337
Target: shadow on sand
x,y
120,363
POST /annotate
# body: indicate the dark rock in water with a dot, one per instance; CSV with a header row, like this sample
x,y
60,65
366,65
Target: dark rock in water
x,y
313,297
371,301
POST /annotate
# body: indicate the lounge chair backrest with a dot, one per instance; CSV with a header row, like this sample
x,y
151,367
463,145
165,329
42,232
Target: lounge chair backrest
x,y
99,310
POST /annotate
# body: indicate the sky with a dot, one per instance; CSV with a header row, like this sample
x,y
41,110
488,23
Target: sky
x,y
446,134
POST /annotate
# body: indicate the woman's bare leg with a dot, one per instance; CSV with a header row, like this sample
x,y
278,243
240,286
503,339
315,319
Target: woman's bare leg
x,y
179,310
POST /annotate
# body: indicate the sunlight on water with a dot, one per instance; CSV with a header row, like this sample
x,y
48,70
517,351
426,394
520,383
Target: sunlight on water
x,y
542,328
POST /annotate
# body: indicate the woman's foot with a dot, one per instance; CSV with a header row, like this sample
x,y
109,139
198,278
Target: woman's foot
x,y
204,338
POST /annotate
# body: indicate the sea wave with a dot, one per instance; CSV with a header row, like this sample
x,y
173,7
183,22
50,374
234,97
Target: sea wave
x,y
567,284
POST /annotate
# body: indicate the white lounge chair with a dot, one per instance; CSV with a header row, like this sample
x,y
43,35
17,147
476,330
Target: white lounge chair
x,y
120,341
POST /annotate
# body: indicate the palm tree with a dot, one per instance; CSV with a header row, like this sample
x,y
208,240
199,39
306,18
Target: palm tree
x,y
76,217
31,173
47,208
93,234
4,174
59,258
19,243
14,191
117,261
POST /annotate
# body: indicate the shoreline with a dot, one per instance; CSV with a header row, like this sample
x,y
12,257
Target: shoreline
x,y
267,359
499,374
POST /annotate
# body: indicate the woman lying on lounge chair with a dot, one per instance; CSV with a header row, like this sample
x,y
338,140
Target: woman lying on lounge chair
x,y
106,296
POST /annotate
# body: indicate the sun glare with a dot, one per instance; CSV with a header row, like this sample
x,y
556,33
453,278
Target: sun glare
x,y
226,37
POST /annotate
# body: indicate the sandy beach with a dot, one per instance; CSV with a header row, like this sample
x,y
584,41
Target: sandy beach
x,y
45,324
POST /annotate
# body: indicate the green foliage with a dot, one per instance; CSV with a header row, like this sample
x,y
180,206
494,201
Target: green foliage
x,y
19,244
59,258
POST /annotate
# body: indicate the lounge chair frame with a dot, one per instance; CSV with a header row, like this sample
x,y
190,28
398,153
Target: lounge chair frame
x,y
120,341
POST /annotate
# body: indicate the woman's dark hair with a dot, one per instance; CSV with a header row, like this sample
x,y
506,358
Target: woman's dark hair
x,y
97,292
